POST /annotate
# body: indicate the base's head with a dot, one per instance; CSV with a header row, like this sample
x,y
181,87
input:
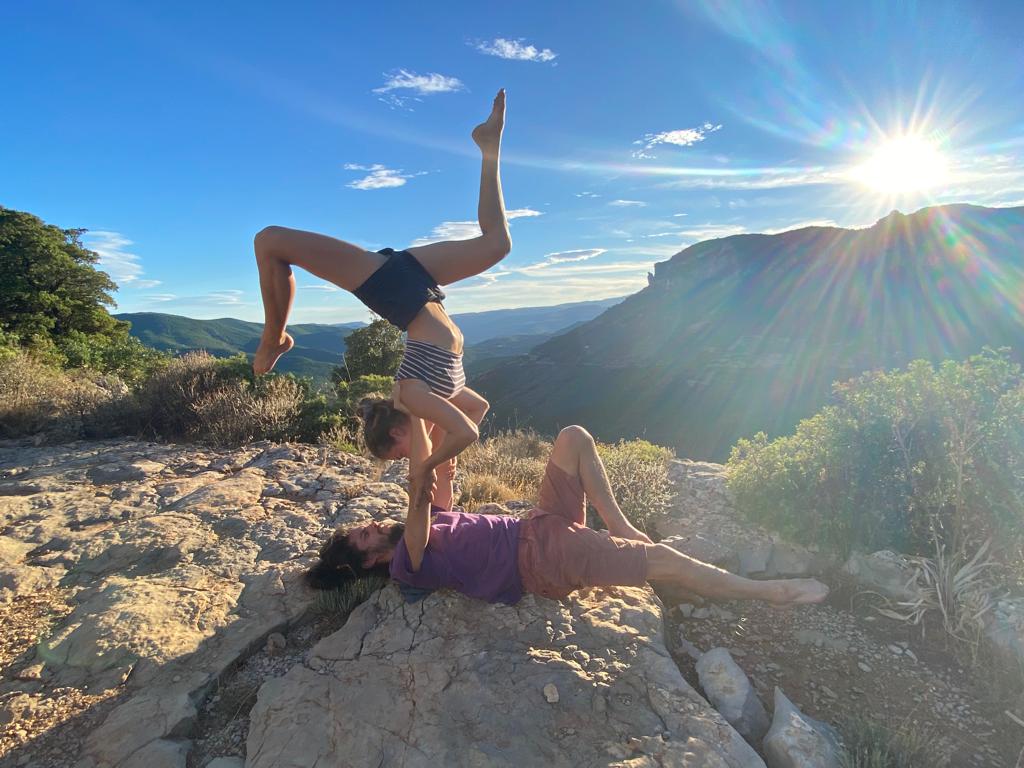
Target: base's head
x,y
385,428
354,552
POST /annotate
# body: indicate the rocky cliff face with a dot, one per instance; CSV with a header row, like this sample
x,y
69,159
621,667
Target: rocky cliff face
x,y
747,333
149,572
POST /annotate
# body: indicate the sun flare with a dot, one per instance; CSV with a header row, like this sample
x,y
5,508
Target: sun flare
x,y
904,164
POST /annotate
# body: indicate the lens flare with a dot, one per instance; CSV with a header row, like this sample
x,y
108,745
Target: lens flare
x,y
902,165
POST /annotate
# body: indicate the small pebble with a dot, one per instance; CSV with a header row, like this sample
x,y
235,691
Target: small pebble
x,y
551,693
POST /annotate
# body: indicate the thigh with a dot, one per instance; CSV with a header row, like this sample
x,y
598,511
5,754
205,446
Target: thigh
x,y
559,558
561,495
453,260
342,263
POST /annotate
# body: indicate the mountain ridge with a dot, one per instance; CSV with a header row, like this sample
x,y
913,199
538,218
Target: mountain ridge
x,y
747,332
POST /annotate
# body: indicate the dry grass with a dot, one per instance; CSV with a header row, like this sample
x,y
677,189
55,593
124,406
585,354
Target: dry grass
x,y
237,413
37,399
507,466
869,744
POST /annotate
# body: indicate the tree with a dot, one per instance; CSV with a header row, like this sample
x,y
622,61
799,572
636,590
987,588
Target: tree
x,y
50,286
375,349
53,300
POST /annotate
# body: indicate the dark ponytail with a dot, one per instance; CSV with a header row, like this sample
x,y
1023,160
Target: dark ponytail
x,y
379,417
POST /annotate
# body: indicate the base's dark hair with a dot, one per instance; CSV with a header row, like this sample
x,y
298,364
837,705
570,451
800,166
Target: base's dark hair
x,y
379,417
340,562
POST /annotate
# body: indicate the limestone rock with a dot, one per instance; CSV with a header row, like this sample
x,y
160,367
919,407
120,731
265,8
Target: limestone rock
x,y
160,754
884,572
226,762
798,741
731,693
386,688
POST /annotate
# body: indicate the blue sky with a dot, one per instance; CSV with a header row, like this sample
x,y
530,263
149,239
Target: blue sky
x,y
176,131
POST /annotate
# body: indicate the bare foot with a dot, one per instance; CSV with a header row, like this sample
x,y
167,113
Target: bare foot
x,y
798,592
487,135
268,353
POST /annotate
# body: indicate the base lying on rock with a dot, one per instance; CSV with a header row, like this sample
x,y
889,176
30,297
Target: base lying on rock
x,y
453,681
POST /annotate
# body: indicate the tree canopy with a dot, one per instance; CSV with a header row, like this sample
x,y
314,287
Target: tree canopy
x,y
375,349
53,299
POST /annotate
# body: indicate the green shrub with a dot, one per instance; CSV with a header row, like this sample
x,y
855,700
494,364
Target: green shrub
x,y
901,458
638,474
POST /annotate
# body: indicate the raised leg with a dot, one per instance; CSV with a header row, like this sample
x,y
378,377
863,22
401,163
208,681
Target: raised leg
x,y
454,260
277,250
666,564
575,453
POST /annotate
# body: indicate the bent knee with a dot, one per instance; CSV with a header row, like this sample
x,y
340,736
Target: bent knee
x,y
575,434
268,238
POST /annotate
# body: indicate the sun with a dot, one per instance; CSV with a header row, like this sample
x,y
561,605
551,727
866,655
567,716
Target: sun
x,y
904,164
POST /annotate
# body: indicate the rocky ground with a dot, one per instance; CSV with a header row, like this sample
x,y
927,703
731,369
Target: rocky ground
x,y
842,660
153,616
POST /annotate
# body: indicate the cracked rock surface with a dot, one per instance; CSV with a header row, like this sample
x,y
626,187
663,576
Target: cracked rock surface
x,y
453,681
161,565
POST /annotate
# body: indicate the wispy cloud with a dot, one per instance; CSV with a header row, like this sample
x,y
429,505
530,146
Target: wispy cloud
x,y
464,230
587,194
682,137
401,86
379,177
799,225
517,49
225,298
628,203
563,257
124,268
521,213
321,287
711,231
759,179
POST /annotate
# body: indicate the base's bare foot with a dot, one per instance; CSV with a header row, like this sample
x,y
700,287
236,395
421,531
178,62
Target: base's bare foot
x,y
798,592
487,135
269,351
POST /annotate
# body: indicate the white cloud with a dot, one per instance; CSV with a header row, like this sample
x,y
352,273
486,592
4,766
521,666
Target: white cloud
x,y
520,213
587,194
628,203
161,297
321,287
123,267
412,86
464,230
379,177
515,49
563,257
679,214
683,137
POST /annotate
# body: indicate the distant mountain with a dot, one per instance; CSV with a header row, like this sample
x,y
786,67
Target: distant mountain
x,y
500,323
318,347
748,332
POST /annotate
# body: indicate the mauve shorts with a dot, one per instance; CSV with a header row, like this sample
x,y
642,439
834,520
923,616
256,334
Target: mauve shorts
x,y
558,553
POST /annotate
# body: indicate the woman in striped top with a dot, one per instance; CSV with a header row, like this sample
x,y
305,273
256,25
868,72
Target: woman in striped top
x,y
404,288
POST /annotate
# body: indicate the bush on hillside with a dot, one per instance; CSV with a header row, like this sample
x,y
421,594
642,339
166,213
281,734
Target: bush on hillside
x,y
638,474
901,460
510,465
55,405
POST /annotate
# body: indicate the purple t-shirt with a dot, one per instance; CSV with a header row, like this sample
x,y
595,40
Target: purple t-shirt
x,y
477,555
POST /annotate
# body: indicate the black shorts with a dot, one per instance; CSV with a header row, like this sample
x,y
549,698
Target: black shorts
x,y
399,289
